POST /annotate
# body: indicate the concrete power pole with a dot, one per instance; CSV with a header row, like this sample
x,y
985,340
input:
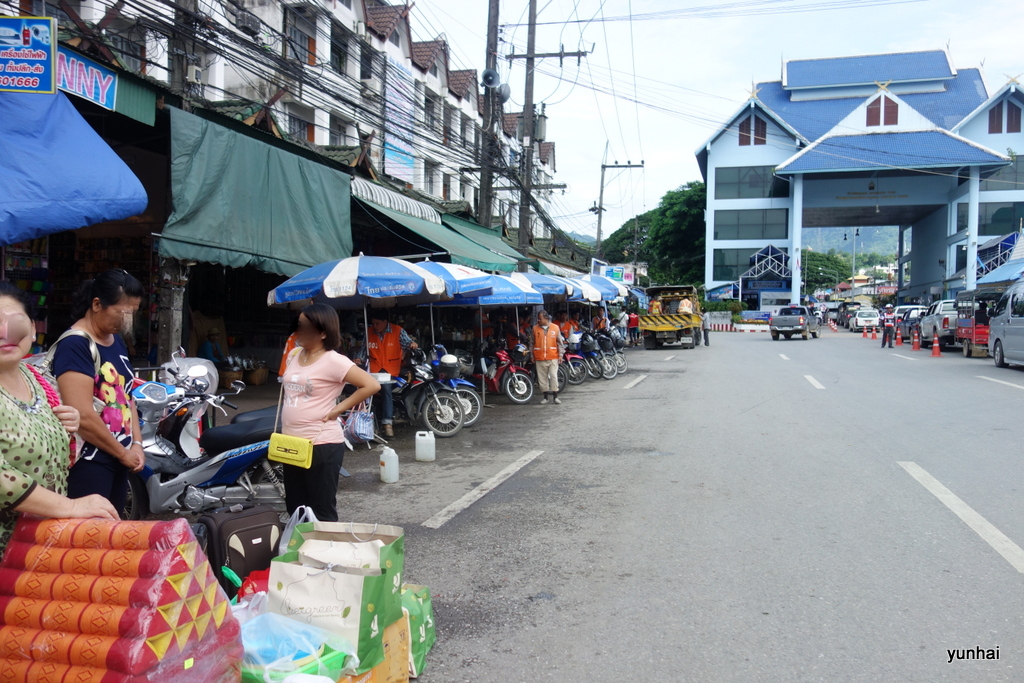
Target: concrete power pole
x,y
599,209
527,173
485,211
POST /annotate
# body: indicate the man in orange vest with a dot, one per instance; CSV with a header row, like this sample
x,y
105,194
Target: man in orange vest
x,y
548,345
386,345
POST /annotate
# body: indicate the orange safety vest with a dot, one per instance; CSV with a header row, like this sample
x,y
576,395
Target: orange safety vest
x,y
385,352
289,346
566,328
545,345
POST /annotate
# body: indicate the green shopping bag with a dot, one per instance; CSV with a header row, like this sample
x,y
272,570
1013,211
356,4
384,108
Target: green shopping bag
x,y
358,545
419,610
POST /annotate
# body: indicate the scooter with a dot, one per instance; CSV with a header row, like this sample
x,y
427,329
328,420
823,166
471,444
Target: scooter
x,y
609,369
619,344
186,471
595,361
422,399
575,364
448,372
499,374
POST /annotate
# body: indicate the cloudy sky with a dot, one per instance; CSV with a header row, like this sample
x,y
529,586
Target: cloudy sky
x,y
691,72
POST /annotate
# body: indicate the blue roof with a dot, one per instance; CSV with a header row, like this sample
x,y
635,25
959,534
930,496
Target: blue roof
x,y
866,69
914,149
964,94
1009,271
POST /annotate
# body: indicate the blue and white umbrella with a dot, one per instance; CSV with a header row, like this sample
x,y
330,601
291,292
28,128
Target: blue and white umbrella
x,y
583,291
550,287
460,279
607,286
360,280
505,292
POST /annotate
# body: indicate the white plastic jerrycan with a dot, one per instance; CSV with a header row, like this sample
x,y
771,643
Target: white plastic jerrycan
x,y
425,447
389,466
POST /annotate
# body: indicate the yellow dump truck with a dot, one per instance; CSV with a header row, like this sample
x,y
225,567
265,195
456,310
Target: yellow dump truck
x,y
678,321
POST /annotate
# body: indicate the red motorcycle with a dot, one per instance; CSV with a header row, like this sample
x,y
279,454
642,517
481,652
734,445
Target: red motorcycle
x,y
501,371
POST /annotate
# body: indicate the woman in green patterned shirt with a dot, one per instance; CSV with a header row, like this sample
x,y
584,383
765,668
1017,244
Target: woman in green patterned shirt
x,y
34,444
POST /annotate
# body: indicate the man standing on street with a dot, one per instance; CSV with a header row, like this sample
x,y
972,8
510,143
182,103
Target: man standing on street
x,y
888,325
548,345
386,345
705,326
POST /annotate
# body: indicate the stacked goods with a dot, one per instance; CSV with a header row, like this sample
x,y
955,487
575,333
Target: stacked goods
x,y
95,601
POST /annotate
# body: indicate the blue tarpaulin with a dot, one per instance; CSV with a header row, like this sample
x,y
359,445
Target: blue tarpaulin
x,y
56,173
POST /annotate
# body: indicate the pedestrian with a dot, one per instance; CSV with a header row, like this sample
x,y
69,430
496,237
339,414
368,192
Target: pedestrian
x,y
548,346
386,346
34,430
634,327
705,326
314,378
888,325
211,349
113,443
622,322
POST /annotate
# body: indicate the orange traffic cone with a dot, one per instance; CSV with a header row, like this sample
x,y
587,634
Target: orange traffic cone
x,y
935,346
864,332
899,336
915,344
874,334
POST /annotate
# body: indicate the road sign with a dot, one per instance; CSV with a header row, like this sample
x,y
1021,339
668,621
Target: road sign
x,y
27,54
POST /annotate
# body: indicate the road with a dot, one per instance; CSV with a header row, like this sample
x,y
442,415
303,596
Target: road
x,y
740,514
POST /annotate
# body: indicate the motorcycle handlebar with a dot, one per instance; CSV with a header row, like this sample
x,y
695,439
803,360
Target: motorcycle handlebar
x,y
229,404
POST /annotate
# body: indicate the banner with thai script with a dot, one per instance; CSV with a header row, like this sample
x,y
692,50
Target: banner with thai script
x,y
27,54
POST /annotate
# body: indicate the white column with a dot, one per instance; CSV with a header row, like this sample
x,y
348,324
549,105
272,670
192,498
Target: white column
x,y
796,227
972,229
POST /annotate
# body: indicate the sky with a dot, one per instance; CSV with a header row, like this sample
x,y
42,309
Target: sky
x,y
695,70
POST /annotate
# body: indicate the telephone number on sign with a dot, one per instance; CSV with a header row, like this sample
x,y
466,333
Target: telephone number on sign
x,y
19,81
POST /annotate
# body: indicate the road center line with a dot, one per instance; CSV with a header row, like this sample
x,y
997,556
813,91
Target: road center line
x,y
783,356
999,381
480,491
671,357
903,357
632,384
814,383
1010,551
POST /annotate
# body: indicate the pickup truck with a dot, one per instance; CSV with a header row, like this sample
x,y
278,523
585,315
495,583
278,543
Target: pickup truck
x,y
794,320
679,320
939,319
907,318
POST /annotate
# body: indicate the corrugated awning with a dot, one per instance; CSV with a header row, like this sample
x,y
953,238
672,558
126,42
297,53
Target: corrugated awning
x,y
461,250
481,235
549,268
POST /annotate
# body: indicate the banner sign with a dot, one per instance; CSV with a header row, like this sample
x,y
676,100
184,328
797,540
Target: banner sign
x,y
755,315
85,78
27,54
766,285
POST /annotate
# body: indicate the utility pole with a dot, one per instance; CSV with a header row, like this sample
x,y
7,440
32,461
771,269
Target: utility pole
x,y
599,208
485,210
528,125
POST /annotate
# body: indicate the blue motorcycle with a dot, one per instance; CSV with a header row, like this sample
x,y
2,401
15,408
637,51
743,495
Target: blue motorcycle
x,y
448,372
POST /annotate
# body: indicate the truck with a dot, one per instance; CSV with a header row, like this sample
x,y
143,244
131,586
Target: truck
x,y
793,320
939,321
679,320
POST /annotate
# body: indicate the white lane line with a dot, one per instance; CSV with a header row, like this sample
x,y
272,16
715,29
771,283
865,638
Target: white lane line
x,y
632,384
814,383
671,357
480,491
783,356
1010,551
999,381
903,357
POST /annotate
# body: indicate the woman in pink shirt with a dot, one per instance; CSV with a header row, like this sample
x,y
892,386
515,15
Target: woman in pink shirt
x,y
313,379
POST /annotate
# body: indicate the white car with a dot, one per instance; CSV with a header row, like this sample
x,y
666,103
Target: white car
x,y
865,317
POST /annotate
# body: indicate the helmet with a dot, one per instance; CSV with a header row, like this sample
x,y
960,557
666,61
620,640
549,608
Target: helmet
x,y
888,306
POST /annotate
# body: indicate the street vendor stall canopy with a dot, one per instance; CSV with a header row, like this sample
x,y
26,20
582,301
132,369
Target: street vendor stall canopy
x,y
242,202
57,173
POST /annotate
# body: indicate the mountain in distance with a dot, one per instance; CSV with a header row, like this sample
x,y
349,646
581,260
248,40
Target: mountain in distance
x,y
584,239
880,240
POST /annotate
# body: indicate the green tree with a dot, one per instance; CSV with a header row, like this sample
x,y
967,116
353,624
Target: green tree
x,y
675,238
631,237
823,271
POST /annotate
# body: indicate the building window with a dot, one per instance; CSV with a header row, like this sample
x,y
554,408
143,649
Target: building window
x,y
1007,178
347,3
339,49
466,133
433,69
995,119
883,112
729,263
429,171
446,186
994,218
745,132
1012,118
430,105
752,224
395,38
959,257
338,131
300,35
367,56
749,182
760,130
301,129
130,54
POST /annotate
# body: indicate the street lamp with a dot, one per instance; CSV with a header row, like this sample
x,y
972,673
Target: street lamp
x,y
856,234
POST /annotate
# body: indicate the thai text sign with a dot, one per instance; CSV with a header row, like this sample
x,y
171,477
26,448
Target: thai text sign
x,y
27,54
89,80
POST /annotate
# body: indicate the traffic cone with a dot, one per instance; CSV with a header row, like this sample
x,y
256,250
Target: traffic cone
x,y
915,344
899,336
864,332
935,346
874,334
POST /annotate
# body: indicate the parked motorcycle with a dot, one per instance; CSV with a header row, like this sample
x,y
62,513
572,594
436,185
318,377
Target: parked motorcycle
x,y
619,344
448,371
420,398
609,368
499,374
598,364
575,364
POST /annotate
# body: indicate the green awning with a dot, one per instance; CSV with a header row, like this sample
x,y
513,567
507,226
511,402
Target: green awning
x,y
481,235
462,251
241,202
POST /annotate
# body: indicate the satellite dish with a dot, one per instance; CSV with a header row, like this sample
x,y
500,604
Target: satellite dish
x,y
504,92
490,78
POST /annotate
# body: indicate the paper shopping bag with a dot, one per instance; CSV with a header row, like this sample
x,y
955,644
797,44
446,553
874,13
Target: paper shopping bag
x,y
419,610
358,545
343,600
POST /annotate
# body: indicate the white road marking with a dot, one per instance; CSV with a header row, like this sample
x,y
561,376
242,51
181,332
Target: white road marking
x,y
632,384
999,381
903,357
480,491
814,383
1010,551
671,357
783,356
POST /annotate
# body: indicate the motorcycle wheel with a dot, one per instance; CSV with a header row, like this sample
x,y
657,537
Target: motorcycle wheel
x,y
608,369
518,387
442,414
620,362
136,503
472,407
577,372
563,377
593,368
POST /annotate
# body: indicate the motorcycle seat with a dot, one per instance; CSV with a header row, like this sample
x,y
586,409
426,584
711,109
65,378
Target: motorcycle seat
x,y
219,439
260,414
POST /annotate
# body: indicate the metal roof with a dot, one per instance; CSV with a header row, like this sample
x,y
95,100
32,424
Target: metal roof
x,y
874,151
867,69
371,192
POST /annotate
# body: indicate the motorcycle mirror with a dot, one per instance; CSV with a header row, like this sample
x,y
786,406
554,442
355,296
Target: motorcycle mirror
x,y
238,385
197,371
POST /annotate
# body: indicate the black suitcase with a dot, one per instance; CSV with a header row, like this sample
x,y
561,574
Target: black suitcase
x,y
241,537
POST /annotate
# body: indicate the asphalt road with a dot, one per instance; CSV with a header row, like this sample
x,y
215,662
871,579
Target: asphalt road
x,y
725,519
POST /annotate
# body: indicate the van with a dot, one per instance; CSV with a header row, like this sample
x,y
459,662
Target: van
x,y
1006,328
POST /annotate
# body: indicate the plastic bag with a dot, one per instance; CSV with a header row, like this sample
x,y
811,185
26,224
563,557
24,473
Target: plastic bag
x,y
302,515
250,607
277,647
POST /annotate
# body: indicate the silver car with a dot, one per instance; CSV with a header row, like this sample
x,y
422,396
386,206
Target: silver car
x,y
865,317
1006,328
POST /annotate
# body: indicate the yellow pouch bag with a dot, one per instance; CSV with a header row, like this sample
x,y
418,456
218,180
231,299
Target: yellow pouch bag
x,y
291,450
